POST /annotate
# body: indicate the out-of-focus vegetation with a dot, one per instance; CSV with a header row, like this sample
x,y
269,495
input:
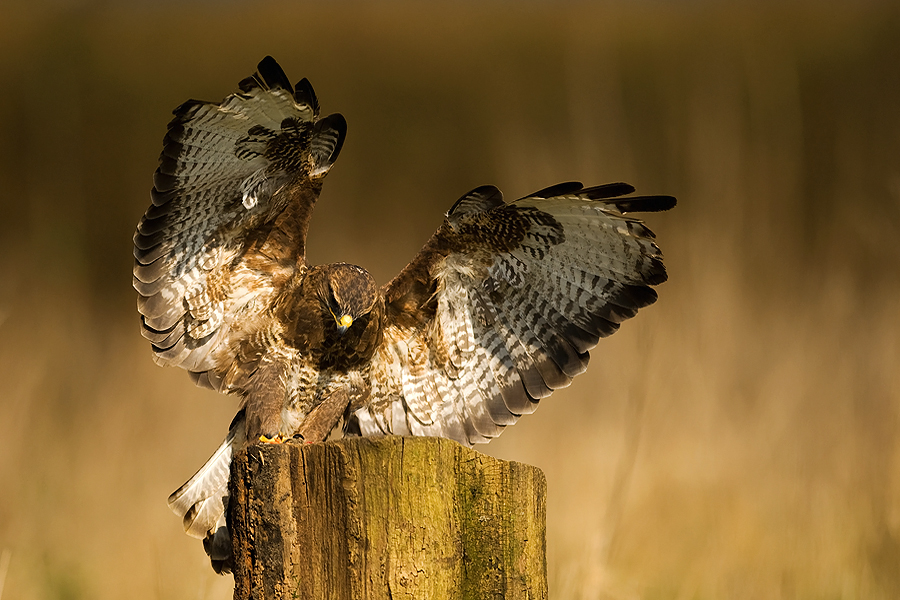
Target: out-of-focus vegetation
x,y
737,440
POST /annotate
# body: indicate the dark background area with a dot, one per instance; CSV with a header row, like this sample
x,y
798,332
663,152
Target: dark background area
x,y
736,440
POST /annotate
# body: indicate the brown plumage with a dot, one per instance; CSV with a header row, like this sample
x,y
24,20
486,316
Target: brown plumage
x,y
498,309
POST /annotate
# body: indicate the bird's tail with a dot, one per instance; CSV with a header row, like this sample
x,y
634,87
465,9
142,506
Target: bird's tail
x,y
202,501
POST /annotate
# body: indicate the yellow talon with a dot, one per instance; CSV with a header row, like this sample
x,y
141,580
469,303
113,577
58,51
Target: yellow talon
x,y
278,439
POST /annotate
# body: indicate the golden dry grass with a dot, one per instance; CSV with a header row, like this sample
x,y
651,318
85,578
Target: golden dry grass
x,y
737,440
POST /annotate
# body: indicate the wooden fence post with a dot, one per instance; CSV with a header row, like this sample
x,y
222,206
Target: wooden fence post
x,y
385,518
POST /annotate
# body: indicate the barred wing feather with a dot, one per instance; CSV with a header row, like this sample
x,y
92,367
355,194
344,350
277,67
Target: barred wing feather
x,y
503,305
205,254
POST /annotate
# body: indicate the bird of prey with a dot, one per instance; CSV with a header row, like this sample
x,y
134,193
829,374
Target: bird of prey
x,y
497,310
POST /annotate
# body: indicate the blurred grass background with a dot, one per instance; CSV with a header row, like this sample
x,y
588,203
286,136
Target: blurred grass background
x,y
736,440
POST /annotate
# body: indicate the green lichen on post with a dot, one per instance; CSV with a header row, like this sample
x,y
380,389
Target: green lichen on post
x,y
388,518
412,527
503,533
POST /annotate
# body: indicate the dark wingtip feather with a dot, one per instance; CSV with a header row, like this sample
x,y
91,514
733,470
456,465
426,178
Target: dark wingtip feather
x,y
305,94
607,190
184,111
645,203
337,122
269,74
560,189
248,84
478,200
328,140
273,75
635,296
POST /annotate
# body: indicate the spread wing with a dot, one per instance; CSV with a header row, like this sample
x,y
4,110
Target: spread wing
x,y
232,198
502,305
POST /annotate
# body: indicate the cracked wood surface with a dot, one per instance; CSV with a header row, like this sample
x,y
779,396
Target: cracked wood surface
x,y
386,518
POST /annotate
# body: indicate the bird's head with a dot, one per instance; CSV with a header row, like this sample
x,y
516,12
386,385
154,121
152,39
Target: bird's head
x,y
348,294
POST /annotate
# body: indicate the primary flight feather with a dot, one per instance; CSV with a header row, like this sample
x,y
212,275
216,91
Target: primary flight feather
x,y
499,308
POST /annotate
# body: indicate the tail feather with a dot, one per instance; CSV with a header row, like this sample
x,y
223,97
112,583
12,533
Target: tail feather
x,y
218,548
202,500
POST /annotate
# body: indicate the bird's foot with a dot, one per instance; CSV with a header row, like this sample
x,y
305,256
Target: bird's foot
x,y
277,439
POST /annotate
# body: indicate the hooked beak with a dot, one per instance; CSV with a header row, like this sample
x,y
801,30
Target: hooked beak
x,y
343,323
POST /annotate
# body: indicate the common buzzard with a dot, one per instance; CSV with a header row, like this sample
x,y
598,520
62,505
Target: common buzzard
x,y
498,309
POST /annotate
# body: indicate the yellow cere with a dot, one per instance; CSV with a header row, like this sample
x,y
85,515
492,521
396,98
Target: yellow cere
x,y
346,321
